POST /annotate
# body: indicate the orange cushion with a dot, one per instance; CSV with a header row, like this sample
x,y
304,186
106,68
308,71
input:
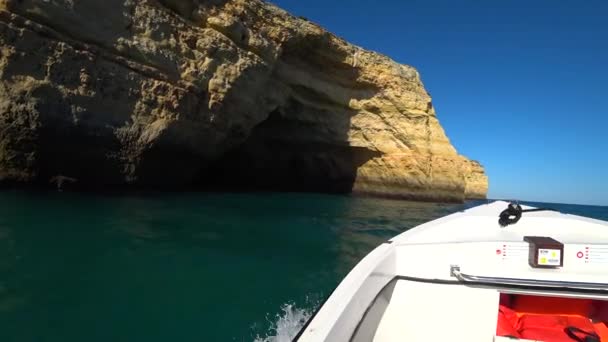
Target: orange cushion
x,y
552,305
507,322
551,327
602,330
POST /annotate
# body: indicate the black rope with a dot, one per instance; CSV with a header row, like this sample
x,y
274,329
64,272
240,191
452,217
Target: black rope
x,y
575,334
513,213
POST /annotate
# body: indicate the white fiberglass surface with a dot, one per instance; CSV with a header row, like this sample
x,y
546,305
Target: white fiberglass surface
x,y
341,314
498,259
436,312
481,224
410,310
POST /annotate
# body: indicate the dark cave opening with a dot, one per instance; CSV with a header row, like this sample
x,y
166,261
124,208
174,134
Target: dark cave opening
x,y
303,145
283,155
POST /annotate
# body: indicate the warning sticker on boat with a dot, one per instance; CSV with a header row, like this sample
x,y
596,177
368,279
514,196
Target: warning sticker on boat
x,y
589,254
512,252
549,257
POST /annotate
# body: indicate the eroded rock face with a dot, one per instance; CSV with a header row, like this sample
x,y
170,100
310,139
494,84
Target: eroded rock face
x,y
213,93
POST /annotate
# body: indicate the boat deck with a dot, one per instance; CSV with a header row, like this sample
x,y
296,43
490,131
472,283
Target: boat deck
x,y
418,287
451,313
418,311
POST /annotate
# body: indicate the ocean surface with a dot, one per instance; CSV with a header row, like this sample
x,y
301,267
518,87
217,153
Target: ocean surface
x,y
186,267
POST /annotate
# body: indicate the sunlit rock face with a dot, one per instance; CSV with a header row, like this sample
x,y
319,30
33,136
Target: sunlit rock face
x,y
213,94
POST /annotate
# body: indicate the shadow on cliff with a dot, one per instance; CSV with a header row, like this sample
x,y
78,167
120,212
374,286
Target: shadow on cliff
x,y
78,149
267,162
303,144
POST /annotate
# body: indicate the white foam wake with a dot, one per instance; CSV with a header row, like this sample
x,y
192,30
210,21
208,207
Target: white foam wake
x,y
286,324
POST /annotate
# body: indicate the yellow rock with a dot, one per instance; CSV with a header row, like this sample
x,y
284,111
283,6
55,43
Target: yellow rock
x,y
222,92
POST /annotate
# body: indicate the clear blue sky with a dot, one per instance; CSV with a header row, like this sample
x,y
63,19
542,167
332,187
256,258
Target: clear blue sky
x,y
521,86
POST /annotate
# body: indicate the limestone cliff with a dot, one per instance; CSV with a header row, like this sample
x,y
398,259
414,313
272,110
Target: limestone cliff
x,y
476,180
169,93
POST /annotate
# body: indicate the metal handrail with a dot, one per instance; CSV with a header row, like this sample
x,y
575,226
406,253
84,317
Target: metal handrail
x,y
575,285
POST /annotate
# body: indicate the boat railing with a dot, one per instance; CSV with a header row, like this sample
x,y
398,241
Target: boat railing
x,y
520,282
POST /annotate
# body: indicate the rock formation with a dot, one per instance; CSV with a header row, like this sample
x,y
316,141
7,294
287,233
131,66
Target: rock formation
x,y
213,93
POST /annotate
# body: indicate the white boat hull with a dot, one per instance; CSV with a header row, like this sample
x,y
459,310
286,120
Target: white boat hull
x,y
407,289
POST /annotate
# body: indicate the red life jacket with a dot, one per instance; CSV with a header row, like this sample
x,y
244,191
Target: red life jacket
x,y
551,319
507,322
556,328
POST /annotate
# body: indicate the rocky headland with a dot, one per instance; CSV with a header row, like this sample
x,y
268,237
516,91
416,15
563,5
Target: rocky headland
x,y
213,94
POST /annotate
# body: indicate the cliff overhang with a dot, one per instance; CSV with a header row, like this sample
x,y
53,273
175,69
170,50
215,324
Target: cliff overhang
x,y
213,94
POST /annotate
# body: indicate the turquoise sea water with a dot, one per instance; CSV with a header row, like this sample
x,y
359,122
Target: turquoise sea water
x,y
185,267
